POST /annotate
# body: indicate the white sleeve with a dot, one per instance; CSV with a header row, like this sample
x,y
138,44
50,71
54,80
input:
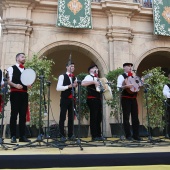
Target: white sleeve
x,y
88,78
2,80
60,86
166,91
10,73
120,80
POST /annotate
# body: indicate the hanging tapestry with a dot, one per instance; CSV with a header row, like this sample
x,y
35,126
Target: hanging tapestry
x,y
161,11
74,14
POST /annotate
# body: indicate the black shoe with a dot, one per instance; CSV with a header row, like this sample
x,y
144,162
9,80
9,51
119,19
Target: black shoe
x,y
63,139
71,138
101,138
129,138
95,139
137,138
13,139
24,139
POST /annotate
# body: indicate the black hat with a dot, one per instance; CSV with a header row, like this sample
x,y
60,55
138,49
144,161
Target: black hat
x,y
127,64
94,65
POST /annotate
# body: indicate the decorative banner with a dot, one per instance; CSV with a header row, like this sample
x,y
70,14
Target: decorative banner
x,y
74,13
161,10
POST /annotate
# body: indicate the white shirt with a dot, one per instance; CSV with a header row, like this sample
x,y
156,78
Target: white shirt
x,y
2,81
166,91
120,80
60,86
10,71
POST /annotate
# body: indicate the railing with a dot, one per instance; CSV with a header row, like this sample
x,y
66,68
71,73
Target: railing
x,y
145,3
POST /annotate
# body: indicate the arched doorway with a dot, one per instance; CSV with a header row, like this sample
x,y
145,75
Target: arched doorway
x,y
155,59
83,58
160,58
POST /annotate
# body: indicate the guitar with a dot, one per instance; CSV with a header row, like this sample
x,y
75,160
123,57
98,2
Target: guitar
x,y
136,81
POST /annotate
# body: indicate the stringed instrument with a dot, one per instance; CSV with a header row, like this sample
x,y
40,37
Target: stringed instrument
x,y
136,82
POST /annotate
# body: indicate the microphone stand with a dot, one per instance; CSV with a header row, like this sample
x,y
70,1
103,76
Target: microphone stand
x,y
150,139
39,139
122,136
167,108
48,120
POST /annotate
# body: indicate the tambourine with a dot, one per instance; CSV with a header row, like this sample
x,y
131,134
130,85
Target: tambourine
x,y
28,77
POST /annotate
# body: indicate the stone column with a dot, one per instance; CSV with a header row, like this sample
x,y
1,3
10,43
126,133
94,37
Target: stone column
x,y
16,30
120,33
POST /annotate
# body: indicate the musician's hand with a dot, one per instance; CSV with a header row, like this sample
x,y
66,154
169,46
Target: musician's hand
x,y
96,83
74,85
129,86
18,86
29,86
142,79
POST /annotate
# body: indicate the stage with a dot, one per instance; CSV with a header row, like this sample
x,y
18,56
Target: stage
x,y
110,153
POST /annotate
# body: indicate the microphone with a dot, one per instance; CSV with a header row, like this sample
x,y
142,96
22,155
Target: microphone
x,y
109,83
120,89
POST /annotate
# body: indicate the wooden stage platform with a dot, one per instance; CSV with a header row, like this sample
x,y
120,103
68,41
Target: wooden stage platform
x,y
111,152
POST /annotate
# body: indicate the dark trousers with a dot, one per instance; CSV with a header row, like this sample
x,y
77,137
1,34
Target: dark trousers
x,y
66,105
168,119
95,116
130,106
19,105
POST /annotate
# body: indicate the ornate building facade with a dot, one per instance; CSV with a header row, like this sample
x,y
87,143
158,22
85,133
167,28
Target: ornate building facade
x,y
122,32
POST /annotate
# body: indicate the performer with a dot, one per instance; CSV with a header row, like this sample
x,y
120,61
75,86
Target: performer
x,y
18,99
129,104
166,93
94,102
1,86
65,86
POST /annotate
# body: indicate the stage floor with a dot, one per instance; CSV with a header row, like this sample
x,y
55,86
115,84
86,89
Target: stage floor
x,y
108,153
111,145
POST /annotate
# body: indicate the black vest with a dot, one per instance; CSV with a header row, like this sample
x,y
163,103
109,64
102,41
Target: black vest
x,y
0,76
168,99
125,92
168,86
66,82
91,90
16,77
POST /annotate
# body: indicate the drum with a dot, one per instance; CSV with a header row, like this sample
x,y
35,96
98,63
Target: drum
x,y
28,77
107,89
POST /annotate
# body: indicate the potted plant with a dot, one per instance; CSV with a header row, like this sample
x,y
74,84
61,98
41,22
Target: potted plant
x,y
155,99
115,102
42,67
84,113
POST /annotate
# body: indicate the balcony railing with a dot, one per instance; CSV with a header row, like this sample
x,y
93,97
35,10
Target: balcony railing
x,y
144,3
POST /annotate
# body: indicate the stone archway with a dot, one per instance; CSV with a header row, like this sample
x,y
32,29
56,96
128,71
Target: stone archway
x,y
87,45
153,58
156,57
82,55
